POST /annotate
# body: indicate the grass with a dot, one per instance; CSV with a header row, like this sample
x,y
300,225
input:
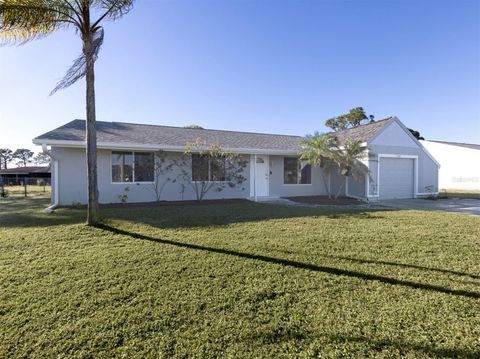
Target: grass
x,y
19,191
237,280
459,193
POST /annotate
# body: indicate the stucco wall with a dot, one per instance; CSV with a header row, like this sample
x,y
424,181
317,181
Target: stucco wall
x,y
73,182
395,141
316,188
356,187
394,135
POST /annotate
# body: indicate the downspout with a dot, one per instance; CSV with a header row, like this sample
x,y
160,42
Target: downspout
x,y
54,205
255,178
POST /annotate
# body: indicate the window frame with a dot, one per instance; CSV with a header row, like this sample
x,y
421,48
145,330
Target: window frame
x,y
209,169
298,173
133,168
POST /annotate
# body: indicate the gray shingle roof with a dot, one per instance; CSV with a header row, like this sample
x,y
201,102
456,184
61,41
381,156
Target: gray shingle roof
x,y
117,132
361,133
130,133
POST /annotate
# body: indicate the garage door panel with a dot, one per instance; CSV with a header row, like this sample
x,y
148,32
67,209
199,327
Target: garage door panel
x,y
396,177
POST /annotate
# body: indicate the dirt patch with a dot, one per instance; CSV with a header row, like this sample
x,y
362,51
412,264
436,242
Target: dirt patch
x,y
324,200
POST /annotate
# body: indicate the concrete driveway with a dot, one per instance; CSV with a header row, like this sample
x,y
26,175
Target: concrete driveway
x,y
455,205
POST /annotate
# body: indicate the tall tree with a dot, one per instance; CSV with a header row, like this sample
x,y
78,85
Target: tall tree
x,y
25,20
355,117
6,156
23,155
416,134
42,158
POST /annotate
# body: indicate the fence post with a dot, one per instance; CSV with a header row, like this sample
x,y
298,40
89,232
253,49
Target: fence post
x,y
25,185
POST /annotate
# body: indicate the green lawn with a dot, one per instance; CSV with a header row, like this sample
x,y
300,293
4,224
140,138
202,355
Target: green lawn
x,y
19,191
237,280
458,193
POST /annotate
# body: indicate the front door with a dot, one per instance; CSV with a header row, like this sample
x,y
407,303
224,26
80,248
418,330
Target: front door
x,y
261,175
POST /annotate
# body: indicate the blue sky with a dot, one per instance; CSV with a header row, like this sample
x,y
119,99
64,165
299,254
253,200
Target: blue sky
x,y
279,66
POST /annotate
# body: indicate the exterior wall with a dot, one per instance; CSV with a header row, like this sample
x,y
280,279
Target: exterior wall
x,y
427,169
394,135
459,166
316,188
356,188
393,140
72,182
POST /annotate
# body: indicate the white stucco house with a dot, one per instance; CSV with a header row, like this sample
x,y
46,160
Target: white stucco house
x,y
459,164
399,166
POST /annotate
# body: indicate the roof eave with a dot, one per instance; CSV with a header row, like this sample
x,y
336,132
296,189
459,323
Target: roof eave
x,y
154,147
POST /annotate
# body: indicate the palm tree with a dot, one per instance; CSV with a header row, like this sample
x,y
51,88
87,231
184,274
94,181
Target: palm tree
x,y
318,150
25,20
348,161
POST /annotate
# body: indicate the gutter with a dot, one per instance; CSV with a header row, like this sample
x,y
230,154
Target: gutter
x,y
156,147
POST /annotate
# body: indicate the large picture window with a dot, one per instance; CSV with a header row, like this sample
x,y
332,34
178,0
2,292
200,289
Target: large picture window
x,y
296,171
205,168
133,166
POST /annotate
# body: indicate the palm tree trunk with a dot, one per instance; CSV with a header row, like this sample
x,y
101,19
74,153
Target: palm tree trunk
x,y
341,187
327,187
92,186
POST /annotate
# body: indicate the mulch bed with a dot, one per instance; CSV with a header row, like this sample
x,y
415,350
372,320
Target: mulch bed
x,y
324,200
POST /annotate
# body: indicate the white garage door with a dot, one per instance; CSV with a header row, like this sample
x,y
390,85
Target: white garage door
x,y
396,177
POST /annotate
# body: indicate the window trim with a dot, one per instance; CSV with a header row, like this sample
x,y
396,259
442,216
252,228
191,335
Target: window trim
x,y
295,184
207,181
133,169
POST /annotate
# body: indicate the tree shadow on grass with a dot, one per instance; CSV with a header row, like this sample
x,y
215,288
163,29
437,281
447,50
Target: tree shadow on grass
x,y
29,213
404,265
199,215
299,265
374,345
405,346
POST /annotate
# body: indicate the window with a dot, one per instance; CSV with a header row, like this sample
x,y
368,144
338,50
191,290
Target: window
x,y
122,166
144,166
205,168
132,167
296,171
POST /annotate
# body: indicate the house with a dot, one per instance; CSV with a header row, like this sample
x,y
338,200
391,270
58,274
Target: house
x,y
400,167
459,164
22,175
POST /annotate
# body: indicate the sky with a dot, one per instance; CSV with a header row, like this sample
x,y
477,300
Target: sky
x,y
273,66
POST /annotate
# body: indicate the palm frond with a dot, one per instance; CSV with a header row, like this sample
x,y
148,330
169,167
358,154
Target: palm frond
x,y
25,20
78,68
114,9
317,148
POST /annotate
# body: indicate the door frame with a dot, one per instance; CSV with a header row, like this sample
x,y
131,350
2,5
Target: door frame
x,y
253,175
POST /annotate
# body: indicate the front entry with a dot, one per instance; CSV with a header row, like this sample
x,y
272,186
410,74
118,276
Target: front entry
x,y
261,175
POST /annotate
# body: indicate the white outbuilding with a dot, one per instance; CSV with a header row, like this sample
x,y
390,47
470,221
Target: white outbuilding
x,y
459,164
